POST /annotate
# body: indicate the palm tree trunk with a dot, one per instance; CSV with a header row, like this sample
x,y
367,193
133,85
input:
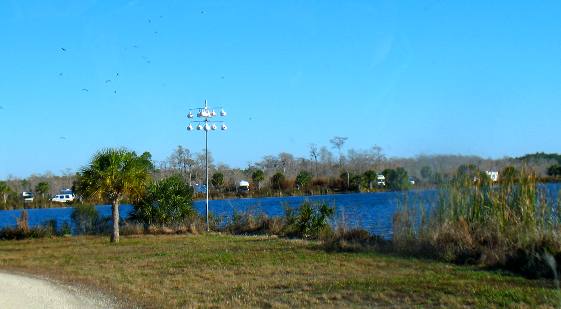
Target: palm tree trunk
x,y
115,213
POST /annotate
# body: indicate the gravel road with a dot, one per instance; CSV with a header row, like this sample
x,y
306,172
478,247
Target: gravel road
x,y
19,291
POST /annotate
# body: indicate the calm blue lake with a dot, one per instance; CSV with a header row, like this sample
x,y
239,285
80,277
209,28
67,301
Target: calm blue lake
x,y
371,211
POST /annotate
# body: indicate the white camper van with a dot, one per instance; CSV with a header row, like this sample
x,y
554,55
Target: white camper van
x,y
65,195
243,187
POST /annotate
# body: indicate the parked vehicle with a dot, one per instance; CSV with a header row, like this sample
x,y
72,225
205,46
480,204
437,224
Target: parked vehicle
x,y
65,195
27,196
243,187
381,180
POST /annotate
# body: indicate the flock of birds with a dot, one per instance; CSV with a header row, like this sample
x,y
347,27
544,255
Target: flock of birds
x,y
111,80
87,89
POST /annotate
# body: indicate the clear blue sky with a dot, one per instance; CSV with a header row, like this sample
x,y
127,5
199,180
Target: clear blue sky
x,y
415,77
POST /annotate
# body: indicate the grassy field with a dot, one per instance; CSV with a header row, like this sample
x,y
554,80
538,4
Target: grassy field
x,y
226,271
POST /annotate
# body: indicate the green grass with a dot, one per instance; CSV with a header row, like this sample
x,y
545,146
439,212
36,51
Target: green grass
x,y
226,271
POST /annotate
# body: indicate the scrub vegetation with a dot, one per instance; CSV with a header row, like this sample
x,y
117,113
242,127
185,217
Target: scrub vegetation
x,y
514,225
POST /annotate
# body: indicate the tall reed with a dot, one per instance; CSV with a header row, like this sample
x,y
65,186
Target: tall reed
x,y
478,221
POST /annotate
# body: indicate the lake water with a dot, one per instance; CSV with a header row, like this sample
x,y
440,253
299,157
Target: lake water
x,y
371,211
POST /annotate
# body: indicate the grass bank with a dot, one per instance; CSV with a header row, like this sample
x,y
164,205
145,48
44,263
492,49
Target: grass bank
x,y
223,271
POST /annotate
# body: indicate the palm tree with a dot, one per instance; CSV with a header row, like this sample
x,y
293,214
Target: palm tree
x,y
42,188
277,180
258,176
370,176
217,180
112,175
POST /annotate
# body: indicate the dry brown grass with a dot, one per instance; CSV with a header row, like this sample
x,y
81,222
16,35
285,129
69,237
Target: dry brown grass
x,y
169,271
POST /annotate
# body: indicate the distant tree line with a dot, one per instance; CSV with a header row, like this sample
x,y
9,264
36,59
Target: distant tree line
x,y
325,169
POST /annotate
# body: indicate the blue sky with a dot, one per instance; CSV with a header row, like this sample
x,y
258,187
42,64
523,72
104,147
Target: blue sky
x,y
415,77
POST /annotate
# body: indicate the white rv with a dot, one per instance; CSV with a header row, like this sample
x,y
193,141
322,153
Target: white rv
x,y
243,187
65,195
27,196
381,180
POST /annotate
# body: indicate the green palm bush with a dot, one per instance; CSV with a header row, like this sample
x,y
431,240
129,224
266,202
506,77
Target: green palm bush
x,y
166,202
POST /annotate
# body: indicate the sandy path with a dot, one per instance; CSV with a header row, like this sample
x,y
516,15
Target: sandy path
x,y
17,291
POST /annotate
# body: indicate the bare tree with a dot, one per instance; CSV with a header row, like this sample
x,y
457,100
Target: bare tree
x,y
338,142
288,164
326,159
314,154
200,167
181,160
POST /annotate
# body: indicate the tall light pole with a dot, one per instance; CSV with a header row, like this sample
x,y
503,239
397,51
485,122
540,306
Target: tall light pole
x,y
205,123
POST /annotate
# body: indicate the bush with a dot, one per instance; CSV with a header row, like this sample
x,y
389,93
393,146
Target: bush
x,y
23,221
86,219
23,231
167,202
246,223
66,229
354,240
19,234
308,221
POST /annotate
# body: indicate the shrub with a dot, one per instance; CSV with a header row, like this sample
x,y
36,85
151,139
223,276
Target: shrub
x,y
247,223
23,221
66,229
19,234
303,179
23,231
308,221
86,219
167,202
354,240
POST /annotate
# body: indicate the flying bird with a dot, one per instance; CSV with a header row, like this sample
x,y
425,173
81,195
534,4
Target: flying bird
x,y
115,91
107,81
62,137
63,49
60,74
117,75
149,21
85,89
202,12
